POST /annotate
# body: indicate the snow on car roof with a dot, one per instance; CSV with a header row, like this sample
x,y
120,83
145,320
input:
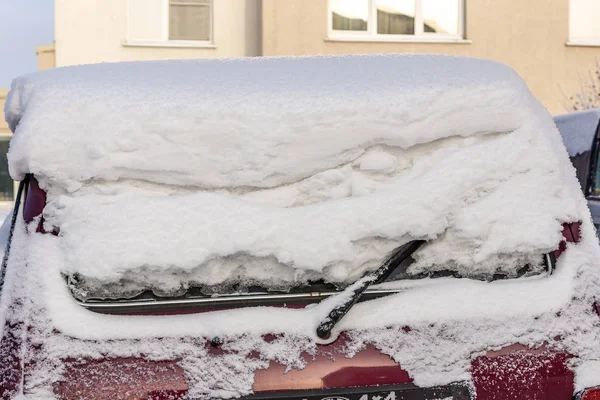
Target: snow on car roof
x,y
578,130
247,122
289,169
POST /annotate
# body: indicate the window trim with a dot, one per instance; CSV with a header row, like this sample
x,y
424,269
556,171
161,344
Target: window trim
x,y
221,302
4,203
590,189
579,41
371,35
189,44
574,42
164,40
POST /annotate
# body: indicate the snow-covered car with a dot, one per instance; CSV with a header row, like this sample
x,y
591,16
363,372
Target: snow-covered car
x,y
580,132
354,227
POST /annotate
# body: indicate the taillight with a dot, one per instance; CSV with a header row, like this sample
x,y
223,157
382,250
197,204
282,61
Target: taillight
x,y
570,235
35,200
589,394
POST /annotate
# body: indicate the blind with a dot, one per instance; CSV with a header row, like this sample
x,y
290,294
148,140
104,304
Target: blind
x,y
190,19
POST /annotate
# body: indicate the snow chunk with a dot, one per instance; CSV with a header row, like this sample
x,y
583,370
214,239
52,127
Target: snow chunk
x,y
586,375
377,161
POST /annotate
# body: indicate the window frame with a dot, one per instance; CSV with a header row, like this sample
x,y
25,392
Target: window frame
x,y
164,40
6,203
593,41
419,36
591,178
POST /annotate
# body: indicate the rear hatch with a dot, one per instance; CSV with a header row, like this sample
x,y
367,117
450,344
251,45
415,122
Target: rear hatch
x,y
219,235
332,372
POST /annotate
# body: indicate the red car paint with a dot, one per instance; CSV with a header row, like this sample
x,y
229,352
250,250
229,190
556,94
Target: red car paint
x,y
513,373
519,373
10,365
570,234
110,379
591,394
35,200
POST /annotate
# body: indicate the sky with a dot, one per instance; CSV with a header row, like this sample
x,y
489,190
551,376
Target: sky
x,y
25,25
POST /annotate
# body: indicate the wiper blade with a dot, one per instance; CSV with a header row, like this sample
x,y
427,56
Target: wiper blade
x,y
13,222
354,292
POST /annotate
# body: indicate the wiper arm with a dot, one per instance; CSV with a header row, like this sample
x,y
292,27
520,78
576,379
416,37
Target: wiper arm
x,y
354,292
13,222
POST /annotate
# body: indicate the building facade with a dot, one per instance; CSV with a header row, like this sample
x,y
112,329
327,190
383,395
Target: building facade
x,y
46,56
93,31
552,44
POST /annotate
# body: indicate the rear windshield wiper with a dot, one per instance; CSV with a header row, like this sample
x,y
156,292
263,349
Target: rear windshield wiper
x,y
354,292
13,222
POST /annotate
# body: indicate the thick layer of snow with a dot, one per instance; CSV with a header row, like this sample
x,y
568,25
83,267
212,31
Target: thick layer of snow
x,y
258,122
480,214
286,170
578,130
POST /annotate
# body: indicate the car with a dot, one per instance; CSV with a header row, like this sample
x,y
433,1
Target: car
x,y
377,227
579,131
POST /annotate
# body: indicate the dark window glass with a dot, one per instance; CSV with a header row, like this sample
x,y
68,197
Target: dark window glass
x,y
597,185
6,183
349,15
189,19
396,17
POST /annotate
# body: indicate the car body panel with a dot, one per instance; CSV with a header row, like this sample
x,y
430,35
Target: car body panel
x,y
11,371
519,373
511,373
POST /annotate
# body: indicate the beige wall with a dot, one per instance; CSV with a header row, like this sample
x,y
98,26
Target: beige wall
x,y
92,31
46,56
3,125
528,35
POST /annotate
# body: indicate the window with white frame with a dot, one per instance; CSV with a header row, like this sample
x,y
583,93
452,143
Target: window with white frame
x,y
584,21
170,21
400,19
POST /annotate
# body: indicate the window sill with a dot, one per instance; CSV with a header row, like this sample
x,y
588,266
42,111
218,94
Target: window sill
x,y
395,39
174,43
583,43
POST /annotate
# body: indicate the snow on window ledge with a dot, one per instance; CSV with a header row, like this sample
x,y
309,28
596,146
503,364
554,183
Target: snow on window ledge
x,y
170,43
396,39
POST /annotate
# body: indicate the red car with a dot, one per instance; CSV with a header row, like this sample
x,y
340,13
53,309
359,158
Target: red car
x,y
350,228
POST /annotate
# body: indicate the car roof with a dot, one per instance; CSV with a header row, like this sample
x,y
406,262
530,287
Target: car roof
x,y
578,130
